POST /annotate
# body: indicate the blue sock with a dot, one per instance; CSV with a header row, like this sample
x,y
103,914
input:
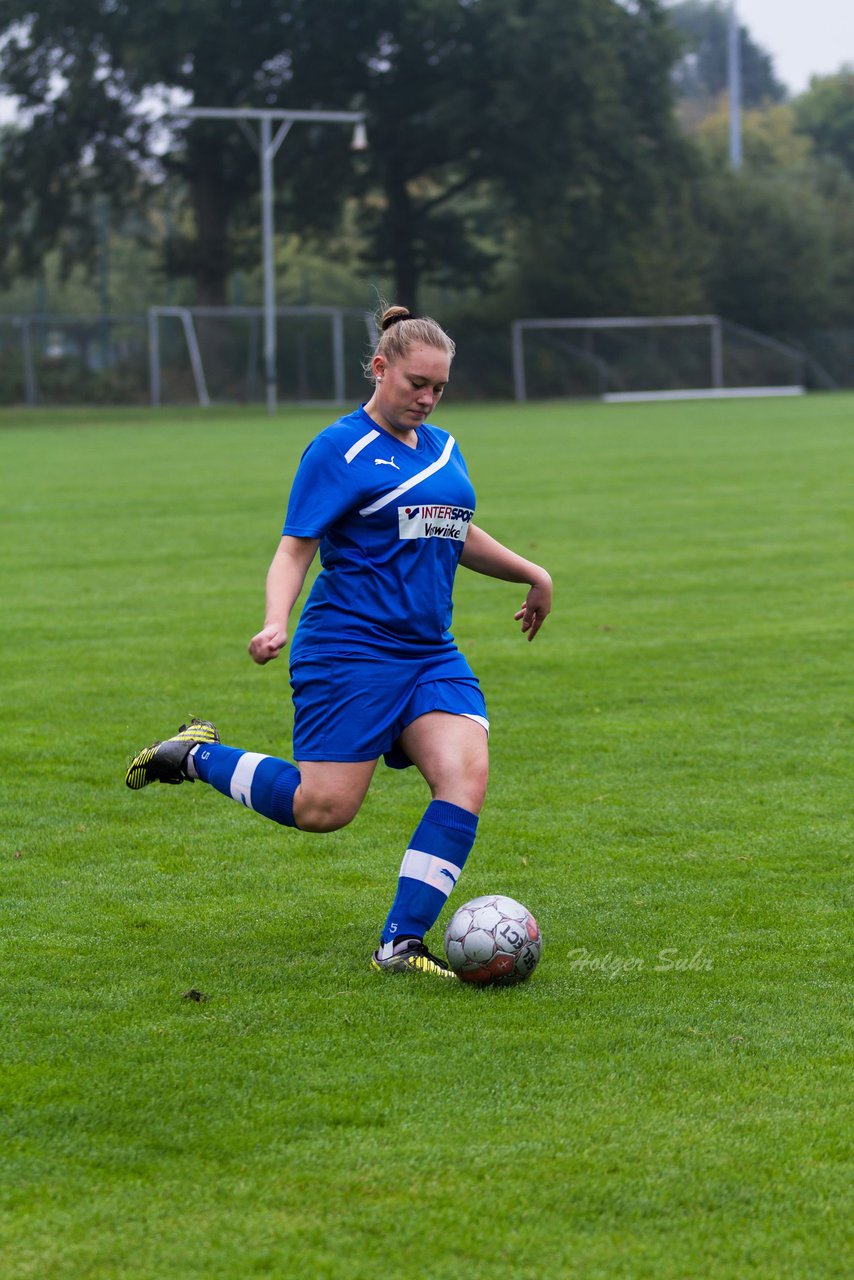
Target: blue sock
x,y
262,783
431,867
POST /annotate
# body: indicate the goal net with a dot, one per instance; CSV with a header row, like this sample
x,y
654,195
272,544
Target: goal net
x,y
216,354
650,358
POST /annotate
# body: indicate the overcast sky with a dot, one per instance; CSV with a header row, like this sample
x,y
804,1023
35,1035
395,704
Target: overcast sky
x,y
804,37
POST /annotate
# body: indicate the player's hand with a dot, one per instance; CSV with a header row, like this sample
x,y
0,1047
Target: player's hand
x,y
267,644
537,607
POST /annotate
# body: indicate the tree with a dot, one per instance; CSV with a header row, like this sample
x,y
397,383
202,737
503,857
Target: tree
x,y
701,74
772,265
825,114
476,109
482,112
770,141
778,235
573,128
618,167
417,70
81,69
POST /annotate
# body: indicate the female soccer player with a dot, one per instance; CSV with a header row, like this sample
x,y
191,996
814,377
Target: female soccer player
x,y
387,499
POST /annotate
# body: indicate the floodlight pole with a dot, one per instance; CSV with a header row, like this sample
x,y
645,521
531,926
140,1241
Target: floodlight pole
x,y
734,87
267,145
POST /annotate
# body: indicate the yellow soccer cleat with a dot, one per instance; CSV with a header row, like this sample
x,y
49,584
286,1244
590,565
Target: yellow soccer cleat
x,y
165,761
409,955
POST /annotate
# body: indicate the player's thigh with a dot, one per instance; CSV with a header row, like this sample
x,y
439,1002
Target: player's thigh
x,y
452,753
331,792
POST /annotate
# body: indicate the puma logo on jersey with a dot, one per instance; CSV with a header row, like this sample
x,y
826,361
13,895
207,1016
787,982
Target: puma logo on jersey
x,y
386,462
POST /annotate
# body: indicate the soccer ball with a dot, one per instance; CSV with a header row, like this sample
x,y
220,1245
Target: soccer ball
x,y
493,940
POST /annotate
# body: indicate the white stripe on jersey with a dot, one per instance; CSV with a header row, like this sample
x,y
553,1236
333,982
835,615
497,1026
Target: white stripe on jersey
x,y
413,480
360,445
241,779
437,872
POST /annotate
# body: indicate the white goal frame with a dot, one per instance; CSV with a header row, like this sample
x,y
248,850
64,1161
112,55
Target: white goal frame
x,y
717,388
187,317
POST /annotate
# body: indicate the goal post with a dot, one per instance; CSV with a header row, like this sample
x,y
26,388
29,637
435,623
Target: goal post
x,y
185,316
629,358
215,354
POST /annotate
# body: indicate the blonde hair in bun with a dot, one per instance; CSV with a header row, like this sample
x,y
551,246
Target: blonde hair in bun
x,y
400,330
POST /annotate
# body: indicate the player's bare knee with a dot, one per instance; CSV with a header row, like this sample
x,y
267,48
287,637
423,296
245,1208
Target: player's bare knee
x,y
472,797
324,814
465,786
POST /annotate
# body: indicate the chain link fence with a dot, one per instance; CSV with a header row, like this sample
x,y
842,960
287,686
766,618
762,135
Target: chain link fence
x,y
206,355
64,360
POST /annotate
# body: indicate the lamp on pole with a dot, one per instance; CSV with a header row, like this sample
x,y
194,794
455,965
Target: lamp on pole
x,y
267,144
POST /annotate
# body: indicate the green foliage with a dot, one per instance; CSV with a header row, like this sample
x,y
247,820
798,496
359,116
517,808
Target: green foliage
x,y
701,75
772,268
81,71
769,139
474,110
825,113
125,265
578,241
836,189
670,774
525,159
779,234
418,70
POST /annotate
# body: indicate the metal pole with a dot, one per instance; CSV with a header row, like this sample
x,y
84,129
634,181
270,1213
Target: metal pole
x,y
269,272
29,367
518,363
154,357
717,354
338,356
104,277
268,148
195,356
734,82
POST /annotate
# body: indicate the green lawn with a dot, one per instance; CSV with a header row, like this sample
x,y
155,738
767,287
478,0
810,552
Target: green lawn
x,y
668,1097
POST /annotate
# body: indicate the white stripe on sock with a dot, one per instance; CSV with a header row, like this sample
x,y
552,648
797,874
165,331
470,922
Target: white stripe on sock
x,y
436,872
241,779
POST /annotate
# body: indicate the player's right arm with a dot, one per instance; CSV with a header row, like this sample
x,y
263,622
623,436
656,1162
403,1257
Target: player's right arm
x,y
285,580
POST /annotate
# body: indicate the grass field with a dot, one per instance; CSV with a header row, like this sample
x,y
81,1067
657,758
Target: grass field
x,y
668,1097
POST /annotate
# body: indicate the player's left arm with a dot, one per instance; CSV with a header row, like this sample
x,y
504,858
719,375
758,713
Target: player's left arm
x,y
484,554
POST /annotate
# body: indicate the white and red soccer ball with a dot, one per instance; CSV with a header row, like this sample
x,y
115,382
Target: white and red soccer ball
x,y
493,940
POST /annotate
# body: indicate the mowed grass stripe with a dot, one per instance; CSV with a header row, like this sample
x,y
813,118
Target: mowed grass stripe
x,y
670,795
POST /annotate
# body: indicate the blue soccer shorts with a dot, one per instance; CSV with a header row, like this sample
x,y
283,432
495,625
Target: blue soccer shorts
x,y
354,706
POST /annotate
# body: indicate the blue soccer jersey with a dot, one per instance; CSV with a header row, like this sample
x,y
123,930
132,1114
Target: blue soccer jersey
x,y
392,522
